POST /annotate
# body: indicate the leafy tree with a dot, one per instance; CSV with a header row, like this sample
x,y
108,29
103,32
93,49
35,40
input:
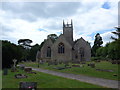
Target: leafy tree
x,y
114,47
33,52
42,44
53,37
97,44
10,51
114,50
102,52
26,44
116,33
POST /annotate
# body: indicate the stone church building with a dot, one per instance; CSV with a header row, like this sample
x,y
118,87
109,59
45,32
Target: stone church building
x,y
64,49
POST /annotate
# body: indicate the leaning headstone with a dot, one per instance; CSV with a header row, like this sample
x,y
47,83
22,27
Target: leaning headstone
x,y
5,71
28,85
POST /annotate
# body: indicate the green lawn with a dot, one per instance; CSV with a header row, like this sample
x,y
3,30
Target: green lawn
x,y
44,81
86,70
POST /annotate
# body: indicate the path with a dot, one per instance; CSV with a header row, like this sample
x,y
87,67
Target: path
x,y
93,80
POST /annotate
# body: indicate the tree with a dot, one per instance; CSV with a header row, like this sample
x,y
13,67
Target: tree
x,y
102,52
97,44
26,44
114,50
116,33
10,51
42,44
33,52
53,37
114,47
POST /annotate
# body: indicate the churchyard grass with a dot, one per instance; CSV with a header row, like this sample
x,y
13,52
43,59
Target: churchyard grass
x,y
86,70
43,81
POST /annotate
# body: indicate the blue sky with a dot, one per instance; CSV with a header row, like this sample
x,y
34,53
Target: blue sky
x,y
36,20
106,5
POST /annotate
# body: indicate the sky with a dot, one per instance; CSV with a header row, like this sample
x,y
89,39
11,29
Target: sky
x,y
36,20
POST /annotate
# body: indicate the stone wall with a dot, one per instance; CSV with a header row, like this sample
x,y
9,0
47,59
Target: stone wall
x,y
47,44
81,43
62,57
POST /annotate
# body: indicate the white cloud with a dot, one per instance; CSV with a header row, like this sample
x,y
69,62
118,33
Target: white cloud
x,y
107,37
23,20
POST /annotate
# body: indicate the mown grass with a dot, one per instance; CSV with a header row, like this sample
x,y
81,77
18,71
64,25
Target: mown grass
x,y
44,81
86,70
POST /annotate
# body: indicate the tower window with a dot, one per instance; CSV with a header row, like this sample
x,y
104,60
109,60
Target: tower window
x,y
48,52
61,48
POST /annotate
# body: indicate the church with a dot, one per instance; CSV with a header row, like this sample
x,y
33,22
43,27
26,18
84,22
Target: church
x,y
65,49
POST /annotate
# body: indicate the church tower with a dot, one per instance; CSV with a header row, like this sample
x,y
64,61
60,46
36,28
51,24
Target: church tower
x,y
68,32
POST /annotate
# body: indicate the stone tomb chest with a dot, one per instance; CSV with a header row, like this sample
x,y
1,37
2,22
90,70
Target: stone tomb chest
x,y
28,85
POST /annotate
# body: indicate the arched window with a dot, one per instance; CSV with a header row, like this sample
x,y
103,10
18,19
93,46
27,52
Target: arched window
x,y
61,48
48,52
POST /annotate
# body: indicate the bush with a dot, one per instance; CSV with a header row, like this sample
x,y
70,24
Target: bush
x,y
99,58
114,50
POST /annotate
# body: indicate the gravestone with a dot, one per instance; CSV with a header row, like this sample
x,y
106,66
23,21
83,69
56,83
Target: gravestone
x,y
32,72
28,69
51,63
114,74
83,62
20,76
41,62
81,65
66,65
59,68
91,65
105,70
55,62
115,61
75,65
5,71
28,85
14,66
